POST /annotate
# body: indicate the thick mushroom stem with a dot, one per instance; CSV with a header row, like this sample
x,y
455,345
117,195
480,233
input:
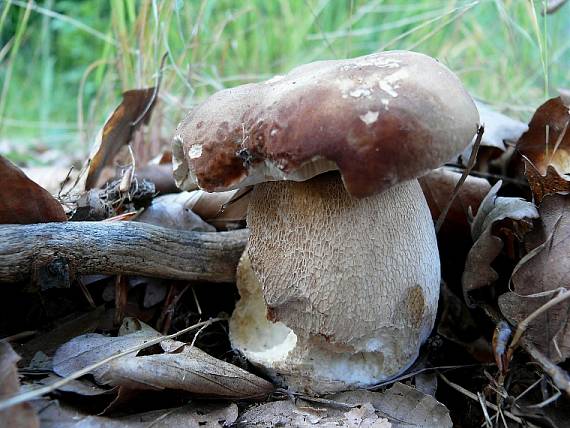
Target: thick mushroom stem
x,y
336,292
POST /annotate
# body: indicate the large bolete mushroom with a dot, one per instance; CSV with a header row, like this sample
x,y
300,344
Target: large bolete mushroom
x,y
340,280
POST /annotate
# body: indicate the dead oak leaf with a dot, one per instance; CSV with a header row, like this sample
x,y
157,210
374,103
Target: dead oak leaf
x,y
21,415
22,201
399,406
545,148
438,187
538,276
498,129
487,246
134,110
180,367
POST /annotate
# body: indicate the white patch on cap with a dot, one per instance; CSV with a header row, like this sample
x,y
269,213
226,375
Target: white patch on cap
x,y
369,118
389,84
374,61
345,85
195,151
360,92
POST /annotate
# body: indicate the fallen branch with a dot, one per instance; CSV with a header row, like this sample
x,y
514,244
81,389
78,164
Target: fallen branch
x,y
128,248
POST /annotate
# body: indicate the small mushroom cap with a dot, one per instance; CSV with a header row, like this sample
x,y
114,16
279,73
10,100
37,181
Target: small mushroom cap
x,y
380,119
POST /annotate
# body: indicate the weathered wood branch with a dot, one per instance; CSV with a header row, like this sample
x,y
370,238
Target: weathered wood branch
x,y
128,248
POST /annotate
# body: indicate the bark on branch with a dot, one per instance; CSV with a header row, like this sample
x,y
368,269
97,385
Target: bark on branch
x,y
128,248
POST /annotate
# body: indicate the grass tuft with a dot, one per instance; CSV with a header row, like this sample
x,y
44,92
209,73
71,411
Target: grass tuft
x,y
64,63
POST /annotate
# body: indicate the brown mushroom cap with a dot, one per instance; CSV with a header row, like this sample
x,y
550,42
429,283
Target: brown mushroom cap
x,y
380,119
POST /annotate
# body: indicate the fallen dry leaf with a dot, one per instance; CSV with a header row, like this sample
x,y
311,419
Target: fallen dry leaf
x,y
538,275
189,369
75,325
54,414
134,110
224,210
487,246
24,202
498,129
21,415
174,211
438,187
182,367
90,348
78,386
399,406
545,149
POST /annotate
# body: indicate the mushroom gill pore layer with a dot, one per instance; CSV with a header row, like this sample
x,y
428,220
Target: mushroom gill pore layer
x,y
336,292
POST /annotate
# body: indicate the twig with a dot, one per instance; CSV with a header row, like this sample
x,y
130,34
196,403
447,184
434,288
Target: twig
x,y
62,184
345,406
466,172
523,325
197,334
488,422
488,175
30,395
474,397
198,307
420,371
86,293
558,375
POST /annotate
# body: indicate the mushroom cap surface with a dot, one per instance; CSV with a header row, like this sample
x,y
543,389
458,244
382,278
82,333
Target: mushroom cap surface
x,y
380,119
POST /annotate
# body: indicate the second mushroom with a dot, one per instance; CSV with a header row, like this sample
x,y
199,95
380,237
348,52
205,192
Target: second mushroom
x,y
340,281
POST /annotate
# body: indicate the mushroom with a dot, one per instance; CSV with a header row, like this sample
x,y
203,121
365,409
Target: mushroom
x,y
340,280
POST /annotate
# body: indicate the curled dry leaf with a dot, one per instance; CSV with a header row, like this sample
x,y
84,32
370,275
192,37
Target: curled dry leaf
x,y
478,272
190,370
21,415
182,367
90,348
537,278
438,188
545,148
224,210
22,201
175,212
399,406
498,129
119,129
